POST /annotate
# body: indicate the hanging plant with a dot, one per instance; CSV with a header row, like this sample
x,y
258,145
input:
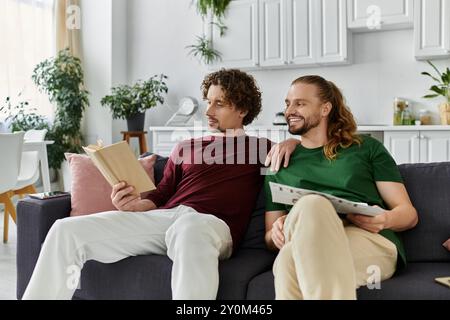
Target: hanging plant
x,y
214,10
217,7
204,51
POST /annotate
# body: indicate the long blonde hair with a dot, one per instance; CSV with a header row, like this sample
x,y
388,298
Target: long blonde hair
x,y
341,123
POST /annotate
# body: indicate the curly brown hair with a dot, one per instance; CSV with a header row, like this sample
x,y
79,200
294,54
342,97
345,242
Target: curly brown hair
x,y
341,123
239,88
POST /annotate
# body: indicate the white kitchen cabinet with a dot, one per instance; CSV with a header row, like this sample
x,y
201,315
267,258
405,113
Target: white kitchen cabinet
x,y
239,46
164,139
301,32
418,146
274,133
434,146
373,15
272,26
406,144
403,146
283,33
332,30
316,33
432,29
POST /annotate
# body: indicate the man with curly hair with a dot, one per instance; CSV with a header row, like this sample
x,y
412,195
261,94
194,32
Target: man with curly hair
x,y
323,255
197,215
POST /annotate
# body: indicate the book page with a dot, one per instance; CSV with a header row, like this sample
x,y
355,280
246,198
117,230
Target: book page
x,y
289,195
118,163
101,165
444,281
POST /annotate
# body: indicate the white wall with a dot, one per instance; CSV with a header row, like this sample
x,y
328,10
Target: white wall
x,y
383,67
96,46
158,32
104,47
119,63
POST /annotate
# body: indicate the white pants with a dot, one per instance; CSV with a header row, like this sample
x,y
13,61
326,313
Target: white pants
x,y
195,242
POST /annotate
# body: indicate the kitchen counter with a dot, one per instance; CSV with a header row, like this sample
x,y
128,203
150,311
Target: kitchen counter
x,y
372,128
404,128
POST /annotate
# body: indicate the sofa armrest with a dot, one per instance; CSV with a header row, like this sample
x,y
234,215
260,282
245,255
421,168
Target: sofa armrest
x,y
34,220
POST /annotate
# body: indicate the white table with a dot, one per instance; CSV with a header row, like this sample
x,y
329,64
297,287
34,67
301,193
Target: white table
x,y
41,148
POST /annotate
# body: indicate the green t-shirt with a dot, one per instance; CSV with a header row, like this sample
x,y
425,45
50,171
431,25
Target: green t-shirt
x,y
351,176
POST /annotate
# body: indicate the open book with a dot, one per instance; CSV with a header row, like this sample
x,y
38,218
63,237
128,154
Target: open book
x,y
289,195
118,163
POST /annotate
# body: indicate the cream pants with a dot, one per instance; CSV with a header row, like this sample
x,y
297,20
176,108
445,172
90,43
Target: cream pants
x,y
323,259
195,243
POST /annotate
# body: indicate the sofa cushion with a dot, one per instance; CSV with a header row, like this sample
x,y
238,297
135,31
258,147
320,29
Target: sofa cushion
x,y
254,236
158,167
261,287
149,277
414,282
428,186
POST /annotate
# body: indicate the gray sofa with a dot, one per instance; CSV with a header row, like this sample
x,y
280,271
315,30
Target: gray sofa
x,y
247,274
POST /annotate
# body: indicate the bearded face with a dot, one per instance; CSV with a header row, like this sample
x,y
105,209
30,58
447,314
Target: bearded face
x,y
303,108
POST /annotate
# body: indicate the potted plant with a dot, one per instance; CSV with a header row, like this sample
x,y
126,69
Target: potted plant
x,y
441,89
131,102
21,117
62,79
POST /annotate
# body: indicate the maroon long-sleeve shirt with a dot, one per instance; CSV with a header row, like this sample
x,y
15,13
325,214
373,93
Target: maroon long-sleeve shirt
x,y
215,175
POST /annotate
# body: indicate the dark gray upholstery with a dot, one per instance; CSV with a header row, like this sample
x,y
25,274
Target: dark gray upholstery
x,y
261,287
428,186
34,219
414,283
247,274
254,237
148,277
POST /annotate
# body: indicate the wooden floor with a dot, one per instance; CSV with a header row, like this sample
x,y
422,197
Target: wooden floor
x,y
8,271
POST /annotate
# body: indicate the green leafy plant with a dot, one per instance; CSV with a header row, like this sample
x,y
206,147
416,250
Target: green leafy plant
x,y
21,117
126,101
62,79
203,49
217,7
443,83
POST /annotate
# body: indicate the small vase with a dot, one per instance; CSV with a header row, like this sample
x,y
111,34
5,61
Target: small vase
x,y
136,122
444,111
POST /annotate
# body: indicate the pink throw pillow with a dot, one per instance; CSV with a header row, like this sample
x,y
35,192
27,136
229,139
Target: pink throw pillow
x,y
90,191
446,244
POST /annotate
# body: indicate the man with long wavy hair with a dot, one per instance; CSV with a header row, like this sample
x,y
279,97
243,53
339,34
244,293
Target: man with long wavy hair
x,y
322,254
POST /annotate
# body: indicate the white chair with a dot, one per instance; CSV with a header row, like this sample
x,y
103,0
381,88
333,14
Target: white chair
x,y
11,152
29,169
35,135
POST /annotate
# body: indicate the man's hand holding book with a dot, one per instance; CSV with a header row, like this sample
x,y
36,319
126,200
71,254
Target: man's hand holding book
x,y
124,198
